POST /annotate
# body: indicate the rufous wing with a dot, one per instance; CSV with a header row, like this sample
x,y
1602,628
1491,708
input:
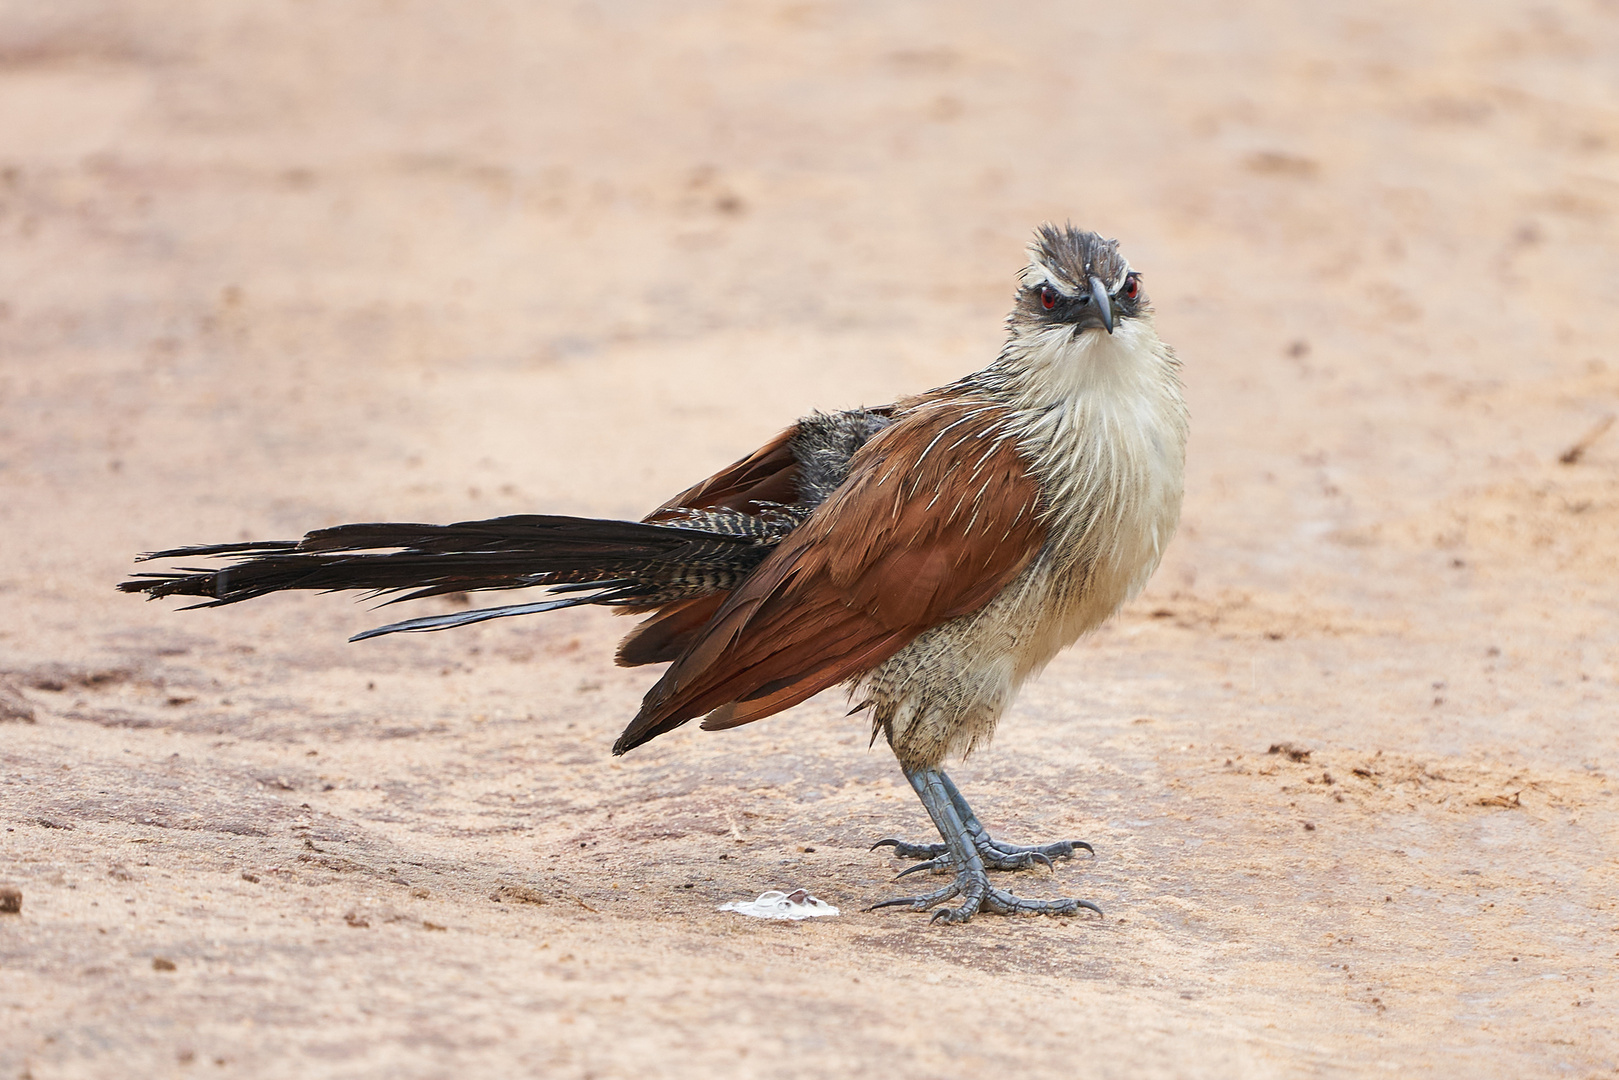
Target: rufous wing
x,y
663,636
768,475
938,515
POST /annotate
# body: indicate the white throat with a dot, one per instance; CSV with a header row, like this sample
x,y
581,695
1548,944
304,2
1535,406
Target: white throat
x,y
1103,422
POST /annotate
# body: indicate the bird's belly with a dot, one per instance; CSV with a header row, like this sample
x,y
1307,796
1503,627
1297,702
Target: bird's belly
x,y
942,694
1085,589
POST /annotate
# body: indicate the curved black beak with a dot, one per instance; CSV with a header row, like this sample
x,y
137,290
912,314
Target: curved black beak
x,y
1104,305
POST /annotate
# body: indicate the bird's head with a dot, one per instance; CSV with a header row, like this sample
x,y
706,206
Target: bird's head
x,y
1077,281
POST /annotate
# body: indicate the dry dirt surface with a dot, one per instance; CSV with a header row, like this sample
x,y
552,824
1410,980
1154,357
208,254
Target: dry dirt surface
x,y
267,267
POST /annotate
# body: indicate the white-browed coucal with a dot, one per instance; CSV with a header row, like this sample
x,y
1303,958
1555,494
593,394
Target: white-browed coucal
x,y
930,555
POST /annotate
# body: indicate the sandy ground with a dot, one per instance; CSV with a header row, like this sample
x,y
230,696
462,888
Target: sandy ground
x,y
266,267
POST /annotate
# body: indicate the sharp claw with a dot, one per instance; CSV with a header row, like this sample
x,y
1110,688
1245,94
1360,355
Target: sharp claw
x,y
1083,844
956,914
904,849
1042,857
897,902
931,864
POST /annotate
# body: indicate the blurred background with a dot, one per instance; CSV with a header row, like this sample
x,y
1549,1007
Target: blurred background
x,y
267,267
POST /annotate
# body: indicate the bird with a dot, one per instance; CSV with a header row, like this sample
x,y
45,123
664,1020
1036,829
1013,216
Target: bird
x,y
930,555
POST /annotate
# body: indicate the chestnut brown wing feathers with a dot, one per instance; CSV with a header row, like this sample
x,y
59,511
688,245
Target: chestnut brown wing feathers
x,y
938,515
664,636
792,472
768,475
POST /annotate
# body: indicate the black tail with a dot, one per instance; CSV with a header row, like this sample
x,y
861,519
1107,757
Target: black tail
x,y
621,563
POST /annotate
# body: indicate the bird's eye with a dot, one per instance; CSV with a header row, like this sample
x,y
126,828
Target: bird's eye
x,y
1048,297
1132,286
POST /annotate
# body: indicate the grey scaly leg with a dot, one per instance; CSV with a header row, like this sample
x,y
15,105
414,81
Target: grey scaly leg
x,y
994,854
961,848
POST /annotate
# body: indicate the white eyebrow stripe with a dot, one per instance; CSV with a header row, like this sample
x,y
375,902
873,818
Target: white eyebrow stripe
x,y
1039,272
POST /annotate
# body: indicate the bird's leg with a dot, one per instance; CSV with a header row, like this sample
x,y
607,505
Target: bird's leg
x,y
972,883
995,854
961,850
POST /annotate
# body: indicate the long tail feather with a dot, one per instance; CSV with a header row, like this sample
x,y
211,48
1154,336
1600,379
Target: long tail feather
x,y
680,563
467,618
428,560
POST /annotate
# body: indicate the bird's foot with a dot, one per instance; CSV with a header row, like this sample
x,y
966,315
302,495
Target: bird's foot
x,y
996,855
970,851
978,895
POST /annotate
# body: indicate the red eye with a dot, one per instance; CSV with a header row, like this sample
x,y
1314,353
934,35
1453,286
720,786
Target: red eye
x,y
1048,297
1132,287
